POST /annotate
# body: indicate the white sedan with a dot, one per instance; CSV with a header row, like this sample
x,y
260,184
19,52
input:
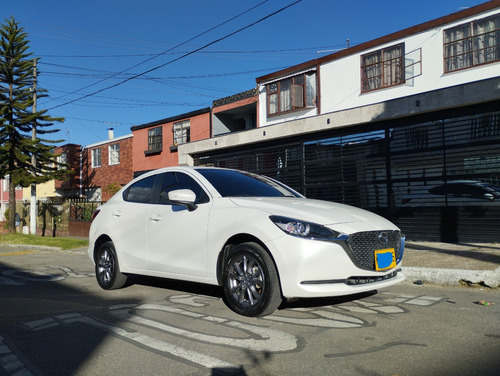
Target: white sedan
x,y
257,238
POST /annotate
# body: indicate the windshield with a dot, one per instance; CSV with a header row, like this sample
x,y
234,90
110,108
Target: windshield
x,y
232,183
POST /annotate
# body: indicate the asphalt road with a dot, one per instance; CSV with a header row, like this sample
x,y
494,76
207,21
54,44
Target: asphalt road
x,y
55,320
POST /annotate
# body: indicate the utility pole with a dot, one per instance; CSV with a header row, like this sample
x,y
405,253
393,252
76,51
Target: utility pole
x,y
33,211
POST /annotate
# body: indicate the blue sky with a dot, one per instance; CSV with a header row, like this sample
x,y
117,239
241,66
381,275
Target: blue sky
x,y
89,50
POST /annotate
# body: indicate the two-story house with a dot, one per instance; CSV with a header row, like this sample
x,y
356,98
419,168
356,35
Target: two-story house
x,y
106,166
381,122
155,144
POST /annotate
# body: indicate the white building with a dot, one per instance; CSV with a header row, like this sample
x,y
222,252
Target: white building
x,y
376,123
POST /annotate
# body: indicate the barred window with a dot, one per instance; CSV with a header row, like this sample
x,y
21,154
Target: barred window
x,y
471,44
155,142
181,132
291,94
383,68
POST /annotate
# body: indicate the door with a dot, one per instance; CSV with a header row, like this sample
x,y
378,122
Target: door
x,y
177,237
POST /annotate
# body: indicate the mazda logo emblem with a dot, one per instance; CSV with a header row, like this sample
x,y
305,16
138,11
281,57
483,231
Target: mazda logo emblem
x,y
383,237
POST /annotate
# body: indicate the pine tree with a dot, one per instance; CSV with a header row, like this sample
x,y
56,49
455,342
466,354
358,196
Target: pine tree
x,y
17,119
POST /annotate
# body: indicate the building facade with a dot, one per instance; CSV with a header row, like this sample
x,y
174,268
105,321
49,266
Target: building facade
x,y
400,119
105,167
156,144
4,196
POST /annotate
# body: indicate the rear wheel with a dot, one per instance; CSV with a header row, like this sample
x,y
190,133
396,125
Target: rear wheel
x,y
251,283
107,271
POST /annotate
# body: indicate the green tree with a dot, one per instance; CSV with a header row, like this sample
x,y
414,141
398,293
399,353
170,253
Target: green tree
x,y
18,118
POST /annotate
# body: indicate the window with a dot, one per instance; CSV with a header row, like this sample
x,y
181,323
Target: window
x,y
290,94
96,158
383,68
472,44
140,191
114,154
62,161
485,126
93,194
181,132
6,183
177,180
244,184
417,139
155,141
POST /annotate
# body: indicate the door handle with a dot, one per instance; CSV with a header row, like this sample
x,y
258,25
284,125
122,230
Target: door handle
x,y
116,213
155,218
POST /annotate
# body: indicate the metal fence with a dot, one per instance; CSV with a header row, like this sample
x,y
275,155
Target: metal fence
x,y
81,210
438,180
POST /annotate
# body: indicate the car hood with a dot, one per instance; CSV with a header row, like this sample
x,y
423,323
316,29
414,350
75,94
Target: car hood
x,y
321,212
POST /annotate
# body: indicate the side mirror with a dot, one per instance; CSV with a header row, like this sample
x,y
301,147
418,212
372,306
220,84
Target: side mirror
x,y
185,197
489,196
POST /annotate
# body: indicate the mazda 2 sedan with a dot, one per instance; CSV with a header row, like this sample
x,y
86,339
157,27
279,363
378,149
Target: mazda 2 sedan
x,y
257,238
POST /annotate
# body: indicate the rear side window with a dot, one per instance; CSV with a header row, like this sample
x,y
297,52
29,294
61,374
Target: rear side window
x,y
141,191
179,180
231,183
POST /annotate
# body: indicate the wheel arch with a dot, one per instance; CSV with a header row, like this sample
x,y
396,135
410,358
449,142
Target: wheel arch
x,y
235,240
100,240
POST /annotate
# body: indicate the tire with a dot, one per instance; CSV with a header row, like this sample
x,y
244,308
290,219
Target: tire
x,y
107,271
250,281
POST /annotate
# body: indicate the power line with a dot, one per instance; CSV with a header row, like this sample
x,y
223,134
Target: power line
x,y
215,52
160,54
183,56
103,72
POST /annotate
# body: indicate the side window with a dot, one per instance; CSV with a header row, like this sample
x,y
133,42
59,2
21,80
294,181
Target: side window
x,y
178,180
140,191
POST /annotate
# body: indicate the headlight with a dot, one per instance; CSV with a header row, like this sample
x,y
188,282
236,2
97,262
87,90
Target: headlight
x,y
306,229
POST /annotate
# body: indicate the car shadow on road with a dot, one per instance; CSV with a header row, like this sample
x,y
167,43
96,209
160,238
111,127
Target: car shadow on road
x,y
217,292
177,285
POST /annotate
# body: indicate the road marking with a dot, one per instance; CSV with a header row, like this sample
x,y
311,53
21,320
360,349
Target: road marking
x,y
10,362
134,337
262,338
269,339
17,253
422,300
327,319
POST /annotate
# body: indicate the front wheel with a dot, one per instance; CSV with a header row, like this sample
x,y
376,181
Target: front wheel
x,y
251,283
107,271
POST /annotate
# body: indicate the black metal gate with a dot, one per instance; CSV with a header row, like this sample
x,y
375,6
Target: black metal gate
x,y
436,179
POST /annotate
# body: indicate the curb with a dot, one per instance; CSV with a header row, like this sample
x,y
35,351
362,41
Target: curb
x,y
31,247
453,277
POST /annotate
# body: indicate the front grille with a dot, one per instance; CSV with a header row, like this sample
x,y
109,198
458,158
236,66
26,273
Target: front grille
x,y
362,246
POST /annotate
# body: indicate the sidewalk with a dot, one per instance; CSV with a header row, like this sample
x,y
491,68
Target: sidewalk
x,y
452,264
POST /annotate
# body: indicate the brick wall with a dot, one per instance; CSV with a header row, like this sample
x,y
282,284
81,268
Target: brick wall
x,y
106,174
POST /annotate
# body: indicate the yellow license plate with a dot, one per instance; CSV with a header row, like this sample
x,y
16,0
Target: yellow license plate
x,y
385,259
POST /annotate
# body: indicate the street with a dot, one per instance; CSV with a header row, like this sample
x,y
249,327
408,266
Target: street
x,y
56,320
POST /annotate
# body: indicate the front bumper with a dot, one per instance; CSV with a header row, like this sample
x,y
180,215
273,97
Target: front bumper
x,y
311,268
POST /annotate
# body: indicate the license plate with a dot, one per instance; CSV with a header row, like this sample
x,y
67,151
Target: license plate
x,y
385,259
